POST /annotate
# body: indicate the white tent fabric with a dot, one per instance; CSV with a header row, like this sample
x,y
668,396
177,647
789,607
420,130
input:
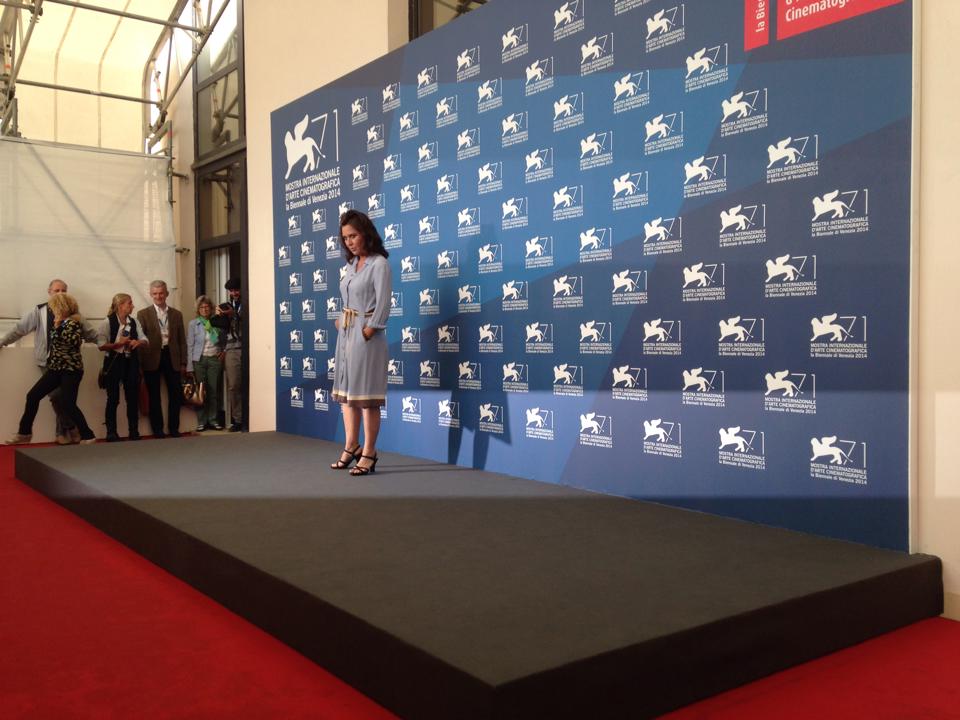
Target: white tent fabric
x,y
98,220
81,48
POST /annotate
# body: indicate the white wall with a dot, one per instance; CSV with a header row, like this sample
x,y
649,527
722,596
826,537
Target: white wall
x,y
938,355
290,49
19,373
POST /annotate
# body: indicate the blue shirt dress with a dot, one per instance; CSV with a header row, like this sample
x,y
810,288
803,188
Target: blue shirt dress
x,y
360,366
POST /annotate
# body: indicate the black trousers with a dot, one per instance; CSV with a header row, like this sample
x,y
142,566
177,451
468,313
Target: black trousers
x,y
171,376
68,383
125,372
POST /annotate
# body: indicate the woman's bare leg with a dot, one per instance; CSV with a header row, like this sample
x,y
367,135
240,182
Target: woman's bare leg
x,y
371,429
351,426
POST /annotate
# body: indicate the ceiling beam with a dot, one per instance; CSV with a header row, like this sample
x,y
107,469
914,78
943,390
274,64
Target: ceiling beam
x,y
85,91
131,16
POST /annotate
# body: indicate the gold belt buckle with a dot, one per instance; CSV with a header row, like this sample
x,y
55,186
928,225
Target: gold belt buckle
x,y
348,316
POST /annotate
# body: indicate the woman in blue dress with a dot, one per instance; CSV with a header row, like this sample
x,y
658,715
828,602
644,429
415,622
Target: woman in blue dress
x,y
360,361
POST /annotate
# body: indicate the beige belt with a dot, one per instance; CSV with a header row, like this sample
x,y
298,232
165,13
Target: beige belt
x,y
349,315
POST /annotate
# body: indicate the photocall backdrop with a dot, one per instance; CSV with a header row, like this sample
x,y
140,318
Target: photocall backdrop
x,y
652,249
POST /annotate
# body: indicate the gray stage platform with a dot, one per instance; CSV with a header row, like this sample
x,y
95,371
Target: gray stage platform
x,y
445,592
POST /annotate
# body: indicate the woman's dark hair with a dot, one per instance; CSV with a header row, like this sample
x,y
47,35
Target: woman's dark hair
x,y
363,225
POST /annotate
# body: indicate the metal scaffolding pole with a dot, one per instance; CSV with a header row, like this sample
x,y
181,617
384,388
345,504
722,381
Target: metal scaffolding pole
x,y
132,16
152,133
85,91
9,24
11,83
151,129
9,118
193,59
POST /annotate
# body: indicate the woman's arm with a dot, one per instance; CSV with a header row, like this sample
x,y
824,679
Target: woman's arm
x,y
382,286
141,335
191,332
103,336
104,341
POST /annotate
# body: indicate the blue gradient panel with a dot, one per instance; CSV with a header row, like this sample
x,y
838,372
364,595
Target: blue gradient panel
x,y
628,257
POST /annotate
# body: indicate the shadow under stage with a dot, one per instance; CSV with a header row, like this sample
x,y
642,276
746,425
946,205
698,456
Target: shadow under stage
x,y
443,592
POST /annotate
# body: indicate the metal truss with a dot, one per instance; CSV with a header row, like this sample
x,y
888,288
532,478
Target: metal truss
x,y
155,132
12,38
15,41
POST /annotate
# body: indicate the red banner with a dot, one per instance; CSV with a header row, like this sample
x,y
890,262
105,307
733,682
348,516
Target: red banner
x,y
756,24
800,16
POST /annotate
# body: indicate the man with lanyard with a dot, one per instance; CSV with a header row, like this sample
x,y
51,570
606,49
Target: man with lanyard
x,y
233,362
40,321
165,356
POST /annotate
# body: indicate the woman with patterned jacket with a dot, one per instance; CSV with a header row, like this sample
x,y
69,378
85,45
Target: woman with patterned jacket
x,y
64,371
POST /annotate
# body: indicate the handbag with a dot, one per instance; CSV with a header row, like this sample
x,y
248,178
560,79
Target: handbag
x,y
194,394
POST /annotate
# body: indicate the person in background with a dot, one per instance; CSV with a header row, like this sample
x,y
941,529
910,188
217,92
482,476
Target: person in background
x,y
206,339
164,357
120,336
233,356
64,371
360,369
40,321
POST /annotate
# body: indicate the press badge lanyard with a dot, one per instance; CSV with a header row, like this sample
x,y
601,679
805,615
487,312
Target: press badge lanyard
x,y
162,322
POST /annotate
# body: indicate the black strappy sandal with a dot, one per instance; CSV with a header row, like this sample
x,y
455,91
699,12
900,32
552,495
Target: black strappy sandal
x,y
365,469
342,464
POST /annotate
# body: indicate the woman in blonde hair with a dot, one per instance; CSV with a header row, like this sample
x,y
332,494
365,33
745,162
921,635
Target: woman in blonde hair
x,y
206,341
64,370
119,336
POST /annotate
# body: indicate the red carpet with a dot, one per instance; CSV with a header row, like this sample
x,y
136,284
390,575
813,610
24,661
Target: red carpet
x,y
909,674
88,629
